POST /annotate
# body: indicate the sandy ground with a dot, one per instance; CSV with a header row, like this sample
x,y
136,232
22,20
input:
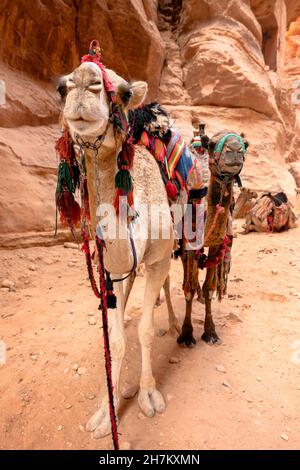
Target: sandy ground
x,y
242,394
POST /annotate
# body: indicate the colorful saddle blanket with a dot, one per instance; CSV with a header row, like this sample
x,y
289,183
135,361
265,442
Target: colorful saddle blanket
x,y
189,170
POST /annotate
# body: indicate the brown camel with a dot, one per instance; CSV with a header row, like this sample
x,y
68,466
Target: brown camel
x,y
244,203
226,152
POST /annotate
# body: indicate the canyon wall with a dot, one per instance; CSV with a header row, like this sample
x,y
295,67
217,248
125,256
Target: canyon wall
x,y
229,64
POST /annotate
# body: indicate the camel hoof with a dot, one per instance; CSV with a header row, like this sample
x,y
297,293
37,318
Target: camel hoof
x,y
95,420
151,402
187,339
211,338
99,424
104,429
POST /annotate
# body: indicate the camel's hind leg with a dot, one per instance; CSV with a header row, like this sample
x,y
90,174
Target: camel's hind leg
x,y
100,421
186,337
190,288
150,399
128,287
174,327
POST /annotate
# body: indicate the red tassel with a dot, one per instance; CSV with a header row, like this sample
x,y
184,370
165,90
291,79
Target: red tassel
x,y
63,146
130,199
172,191
69,209
126,156
118,194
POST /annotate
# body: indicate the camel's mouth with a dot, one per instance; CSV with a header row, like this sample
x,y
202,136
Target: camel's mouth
x,y
86,127
81,125
80,120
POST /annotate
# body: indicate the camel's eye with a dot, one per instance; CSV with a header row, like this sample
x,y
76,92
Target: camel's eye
x,y
70,84
95,87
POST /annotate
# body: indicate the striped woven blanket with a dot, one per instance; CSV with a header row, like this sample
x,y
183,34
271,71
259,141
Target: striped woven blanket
x,y
180,163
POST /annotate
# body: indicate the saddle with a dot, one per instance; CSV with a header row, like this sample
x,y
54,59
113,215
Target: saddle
x,y
181,167
271,212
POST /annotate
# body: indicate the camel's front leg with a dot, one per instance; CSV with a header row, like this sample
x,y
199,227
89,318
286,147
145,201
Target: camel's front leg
x,y
150,399
210,336
99,424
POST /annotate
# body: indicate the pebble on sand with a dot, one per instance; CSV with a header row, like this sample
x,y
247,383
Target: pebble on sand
x,y
284,436
90,396
221,368
81,371
7,283
174,360
32,267
226,384
92,321
72,246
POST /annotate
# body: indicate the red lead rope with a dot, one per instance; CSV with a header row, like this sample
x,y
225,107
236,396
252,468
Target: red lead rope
x,y
102,295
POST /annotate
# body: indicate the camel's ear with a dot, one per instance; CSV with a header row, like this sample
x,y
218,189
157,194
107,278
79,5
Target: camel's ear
x,y
125,93
130,94
245,140
138,91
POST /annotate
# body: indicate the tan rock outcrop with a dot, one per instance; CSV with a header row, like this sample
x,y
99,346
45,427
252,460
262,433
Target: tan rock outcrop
x,y
224,63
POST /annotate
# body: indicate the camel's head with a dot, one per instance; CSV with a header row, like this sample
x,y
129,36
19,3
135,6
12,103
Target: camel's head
x,y
244,203
86,100
227,151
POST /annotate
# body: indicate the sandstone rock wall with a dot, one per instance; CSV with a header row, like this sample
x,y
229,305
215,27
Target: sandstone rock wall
x,y
222,62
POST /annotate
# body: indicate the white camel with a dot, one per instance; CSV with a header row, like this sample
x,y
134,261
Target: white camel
x,y
86,113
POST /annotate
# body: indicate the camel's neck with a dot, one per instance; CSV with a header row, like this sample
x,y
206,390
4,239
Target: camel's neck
x,y
217,221
219,193
101,172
